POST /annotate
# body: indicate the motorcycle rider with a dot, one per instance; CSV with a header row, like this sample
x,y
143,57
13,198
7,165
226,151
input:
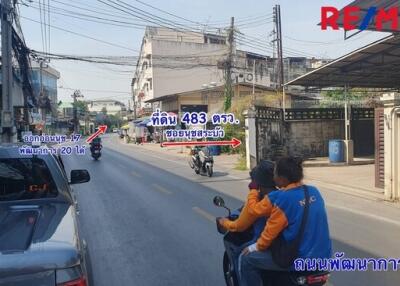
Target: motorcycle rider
x,y
285,209
263,183
95,142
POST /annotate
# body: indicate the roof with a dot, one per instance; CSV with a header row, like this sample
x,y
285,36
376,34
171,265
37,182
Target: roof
x,y
364,5
216,88
374,66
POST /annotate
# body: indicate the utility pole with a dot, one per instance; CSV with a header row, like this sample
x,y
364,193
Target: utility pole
x,y
228,67
281,76
278,24
8,128
75,95
253,98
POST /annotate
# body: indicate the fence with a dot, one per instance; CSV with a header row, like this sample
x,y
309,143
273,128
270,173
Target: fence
x,y
306,131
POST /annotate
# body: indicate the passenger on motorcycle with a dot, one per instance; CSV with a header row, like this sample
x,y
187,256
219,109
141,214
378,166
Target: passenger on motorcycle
x,y
262,183
285,210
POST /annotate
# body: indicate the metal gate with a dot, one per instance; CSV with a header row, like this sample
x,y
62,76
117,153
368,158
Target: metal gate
x,y
362,131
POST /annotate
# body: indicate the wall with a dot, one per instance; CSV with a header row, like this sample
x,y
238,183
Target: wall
x,y
306,132
311,138
185,74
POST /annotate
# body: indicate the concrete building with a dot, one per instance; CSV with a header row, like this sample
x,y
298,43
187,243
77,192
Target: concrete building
x,y
112,107
46,78
173,62
211,100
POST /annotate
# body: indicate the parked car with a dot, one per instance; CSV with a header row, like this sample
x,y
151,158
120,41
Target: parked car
x,y
39,235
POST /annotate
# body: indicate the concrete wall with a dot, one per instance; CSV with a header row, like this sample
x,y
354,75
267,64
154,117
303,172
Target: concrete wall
x,y
185,74
311,138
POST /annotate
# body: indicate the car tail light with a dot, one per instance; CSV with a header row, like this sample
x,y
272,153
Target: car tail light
x,y
78,282
317,279
70,277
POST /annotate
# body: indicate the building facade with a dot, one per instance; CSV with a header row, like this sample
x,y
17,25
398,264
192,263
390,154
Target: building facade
x,y
172,62
110,107
44,82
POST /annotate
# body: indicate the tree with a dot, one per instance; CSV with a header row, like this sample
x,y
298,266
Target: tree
x,y
81,107
104,110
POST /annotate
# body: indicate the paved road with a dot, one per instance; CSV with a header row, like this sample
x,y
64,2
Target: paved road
x,y
149,221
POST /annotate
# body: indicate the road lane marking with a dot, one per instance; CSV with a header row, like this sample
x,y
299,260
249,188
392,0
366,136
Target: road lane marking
x,y
136,174
161,189
364,214
204,214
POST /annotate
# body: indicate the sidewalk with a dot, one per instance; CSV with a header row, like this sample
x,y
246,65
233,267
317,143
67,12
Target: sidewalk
x,y
355,180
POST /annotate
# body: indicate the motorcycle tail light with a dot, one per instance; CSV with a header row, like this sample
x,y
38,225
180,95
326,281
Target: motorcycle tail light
x,y
317,279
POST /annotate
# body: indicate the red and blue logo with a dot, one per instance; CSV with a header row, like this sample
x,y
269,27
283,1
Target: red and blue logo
x,y
353,18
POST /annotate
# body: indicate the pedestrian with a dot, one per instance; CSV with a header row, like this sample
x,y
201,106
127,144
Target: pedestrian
x,y
285,209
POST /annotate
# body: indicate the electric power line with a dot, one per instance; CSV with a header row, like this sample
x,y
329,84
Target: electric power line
x,y
83,35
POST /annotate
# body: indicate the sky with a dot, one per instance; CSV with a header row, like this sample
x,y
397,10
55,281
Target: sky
x,y
301,35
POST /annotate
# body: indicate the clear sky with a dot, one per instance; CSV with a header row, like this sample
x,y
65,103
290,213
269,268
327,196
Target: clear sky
x,y
301,35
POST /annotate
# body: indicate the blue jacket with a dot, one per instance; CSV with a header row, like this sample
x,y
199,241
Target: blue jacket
x,y
285,211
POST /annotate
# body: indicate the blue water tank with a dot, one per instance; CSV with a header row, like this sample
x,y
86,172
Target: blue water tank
x,y
336,151
215,150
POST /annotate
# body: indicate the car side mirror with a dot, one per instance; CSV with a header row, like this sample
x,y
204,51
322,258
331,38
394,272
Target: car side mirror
x,y
219,202
79,177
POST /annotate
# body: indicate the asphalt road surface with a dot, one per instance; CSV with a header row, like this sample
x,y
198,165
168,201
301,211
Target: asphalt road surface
x,y
149,221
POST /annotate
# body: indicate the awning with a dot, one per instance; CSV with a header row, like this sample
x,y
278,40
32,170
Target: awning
x,y
374,66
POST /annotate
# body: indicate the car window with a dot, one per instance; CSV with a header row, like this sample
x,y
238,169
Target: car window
x,y
24,179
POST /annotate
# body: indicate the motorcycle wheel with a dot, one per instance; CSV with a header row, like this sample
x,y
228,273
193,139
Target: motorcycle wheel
x,y
197,170
230,277
210,171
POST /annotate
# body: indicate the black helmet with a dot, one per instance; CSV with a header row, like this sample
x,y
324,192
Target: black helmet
x,y
263,174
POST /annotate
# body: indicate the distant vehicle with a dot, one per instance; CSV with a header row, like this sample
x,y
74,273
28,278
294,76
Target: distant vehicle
x,y
95,148
39,236
201,161
115,130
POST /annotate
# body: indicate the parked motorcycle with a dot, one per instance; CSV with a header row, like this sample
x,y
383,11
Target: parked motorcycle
x,y
202,161
270,278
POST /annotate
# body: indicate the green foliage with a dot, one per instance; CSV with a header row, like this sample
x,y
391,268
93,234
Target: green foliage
x,y
81,106
236,131
241,164
340,95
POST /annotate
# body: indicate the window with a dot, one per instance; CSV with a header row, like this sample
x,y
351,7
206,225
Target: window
x,y
25,179
150,80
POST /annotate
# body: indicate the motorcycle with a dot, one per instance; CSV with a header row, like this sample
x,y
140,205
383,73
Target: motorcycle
x,y
270,278
95,151
202,161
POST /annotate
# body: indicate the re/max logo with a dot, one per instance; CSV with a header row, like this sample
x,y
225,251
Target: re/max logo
x,y
352,16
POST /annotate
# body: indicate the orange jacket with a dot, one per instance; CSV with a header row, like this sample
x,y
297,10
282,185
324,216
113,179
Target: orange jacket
x,y
256,208
244,221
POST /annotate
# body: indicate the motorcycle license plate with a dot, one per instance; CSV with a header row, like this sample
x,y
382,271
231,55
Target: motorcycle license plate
x,y
96,151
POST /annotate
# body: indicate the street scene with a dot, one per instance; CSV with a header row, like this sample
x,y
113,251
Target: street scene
x,y
213,143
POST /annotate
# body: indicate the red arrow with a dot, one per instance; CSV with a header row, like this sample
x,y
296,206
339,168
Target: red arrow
x,y
102,130
234,143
